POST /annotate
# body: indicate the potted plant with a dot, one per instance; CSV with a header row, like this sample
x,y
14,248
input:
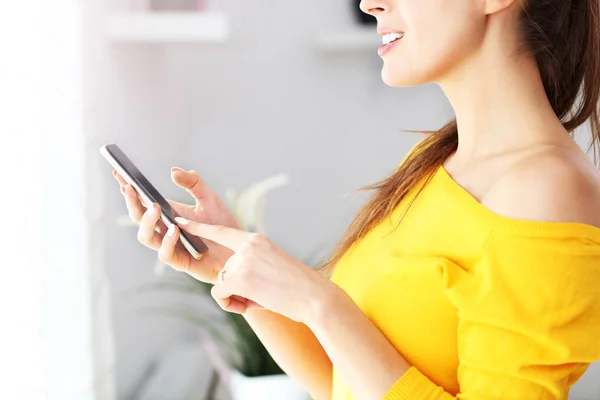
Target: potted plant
x,y
252,374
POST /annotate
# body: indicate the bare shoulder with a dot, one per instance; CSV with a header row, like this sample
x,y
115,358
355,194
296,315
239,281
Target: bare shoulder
x,y
552,186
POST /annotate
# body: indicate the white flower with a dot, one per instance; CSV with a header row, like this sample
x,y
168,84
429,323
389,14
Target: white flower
x,y
249,206
123,221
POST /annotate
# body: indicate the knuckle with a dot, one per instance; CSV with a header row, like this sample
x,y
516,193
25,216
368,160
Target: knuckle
x,y
258,238
195,177
162,256
141,237
175,266
218,299
246,247
133,217
244,273
144,237
166,254
165,259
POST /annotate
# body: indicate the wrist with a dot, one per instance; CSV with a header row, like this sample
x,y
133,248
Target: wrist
x,y
321,303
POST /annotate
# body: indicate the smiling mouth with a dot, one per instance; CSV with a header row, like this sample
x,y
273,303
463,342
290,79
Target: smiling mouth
x,y
391,37
390,40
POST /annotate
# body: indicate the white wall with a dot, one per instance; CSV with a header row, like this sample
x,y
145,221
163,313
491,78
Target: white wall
x,y
267,101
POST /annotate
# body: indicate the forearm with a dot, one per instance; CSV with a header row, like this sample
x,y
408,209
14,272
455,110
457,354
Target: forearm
x,y
296,349
366,360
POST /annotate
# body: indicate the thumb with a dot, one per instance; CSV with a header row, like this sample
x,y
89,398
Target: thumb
x,y
190,181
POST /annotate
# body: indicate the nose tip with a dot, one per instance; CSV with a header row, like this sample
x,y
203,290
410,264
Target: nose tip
x,y
371,7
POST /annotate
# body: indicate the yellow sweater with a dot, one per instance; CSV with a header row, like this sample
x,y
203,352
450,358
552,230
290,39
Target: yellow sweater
x,y
482,306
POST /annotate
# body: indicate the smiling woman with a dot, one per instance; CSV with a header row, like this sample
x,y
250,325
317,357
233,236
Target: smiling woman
x,y
478,259
473,271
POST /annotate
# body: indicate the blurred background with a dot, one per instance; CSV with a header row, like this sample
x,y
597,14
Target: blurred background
x,y
280,108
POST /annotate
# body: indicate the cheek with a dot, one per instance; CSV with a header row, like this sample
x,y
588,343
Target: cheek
x,y
421,59
435,43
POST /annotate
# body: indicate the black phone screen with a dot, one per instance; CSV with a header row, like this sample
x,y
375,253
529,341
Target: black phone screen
x,y
154,195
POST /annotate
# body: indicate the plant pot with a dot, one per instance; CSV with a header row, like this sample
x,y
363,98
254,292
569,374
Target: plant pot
x,y
273,387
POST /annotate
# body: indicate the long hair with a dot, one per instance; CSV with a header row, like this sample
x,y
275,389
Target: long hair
x,y
564,38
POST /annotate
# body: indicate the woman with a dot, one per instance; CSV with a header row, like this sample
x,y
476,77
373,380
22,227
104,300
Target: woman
x,y
474,270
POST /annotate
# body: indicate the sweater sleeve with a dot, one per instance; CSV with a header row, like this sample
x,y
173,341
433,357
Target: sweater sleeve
x,y
529,320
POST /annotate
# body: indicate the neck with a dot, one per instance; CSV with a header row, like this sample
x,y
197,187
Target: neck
x,y
500,104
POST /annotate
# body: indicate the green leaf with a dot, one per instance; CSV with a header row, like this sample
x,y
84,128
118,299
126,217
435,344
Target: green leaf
x,y
246,352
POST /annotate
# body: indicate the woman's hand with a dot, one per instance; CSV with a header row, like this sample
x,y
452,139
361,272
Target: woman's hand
x,y
153,233
261,274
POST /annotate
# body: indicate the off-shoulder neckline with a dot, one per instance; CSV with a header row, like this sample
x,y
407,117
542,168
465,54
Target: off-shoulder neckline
x,y
494,221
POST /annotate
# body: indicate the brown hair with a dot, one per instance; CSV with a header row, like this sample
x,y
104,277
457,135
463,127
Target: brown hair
x,y
564,38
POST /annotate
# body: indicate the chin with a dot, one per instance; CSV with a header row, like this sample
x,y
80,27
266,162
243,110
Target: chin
x,y
400,76
399,80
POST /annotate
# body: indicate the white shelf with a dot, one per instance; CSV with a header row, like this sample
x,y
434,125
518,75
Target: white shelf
x,y
356,39
162,26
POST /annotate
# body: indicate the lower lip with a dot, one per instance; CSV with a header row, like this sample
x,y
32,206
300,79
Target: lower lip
x,y
383,50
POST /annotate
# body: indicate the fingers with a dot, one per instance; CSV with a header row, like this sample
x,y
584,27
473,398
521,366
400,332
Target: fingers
x,y
224,289
238,305
147,234
134,205
223,302
228,302
119,178
225,236
191,182
171,254
253,305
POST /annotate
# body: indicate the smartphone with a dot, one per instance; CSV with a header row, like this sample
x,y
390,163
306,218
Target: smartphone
x,y
148,194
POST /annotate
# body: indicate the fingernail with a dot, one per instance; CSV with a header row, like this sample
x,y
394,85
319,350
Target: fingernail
x,y
182,221
150,209
171,230
177,169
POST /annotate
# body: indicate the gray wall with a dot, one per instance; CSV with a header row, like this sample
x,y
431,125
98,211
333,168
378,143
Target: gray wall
x,y
264,102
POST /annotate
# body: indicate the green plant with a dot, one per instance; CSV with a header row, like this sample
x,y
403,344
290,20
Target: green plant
x,y
250,357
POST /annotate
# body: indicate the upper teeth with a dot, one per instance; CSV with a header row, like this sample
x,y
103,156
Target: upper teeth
x,y
390,37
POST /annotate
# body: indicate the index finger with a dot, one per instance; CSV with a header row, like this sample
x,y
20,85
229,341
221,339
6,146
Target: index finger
x,y
119,178
224,235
